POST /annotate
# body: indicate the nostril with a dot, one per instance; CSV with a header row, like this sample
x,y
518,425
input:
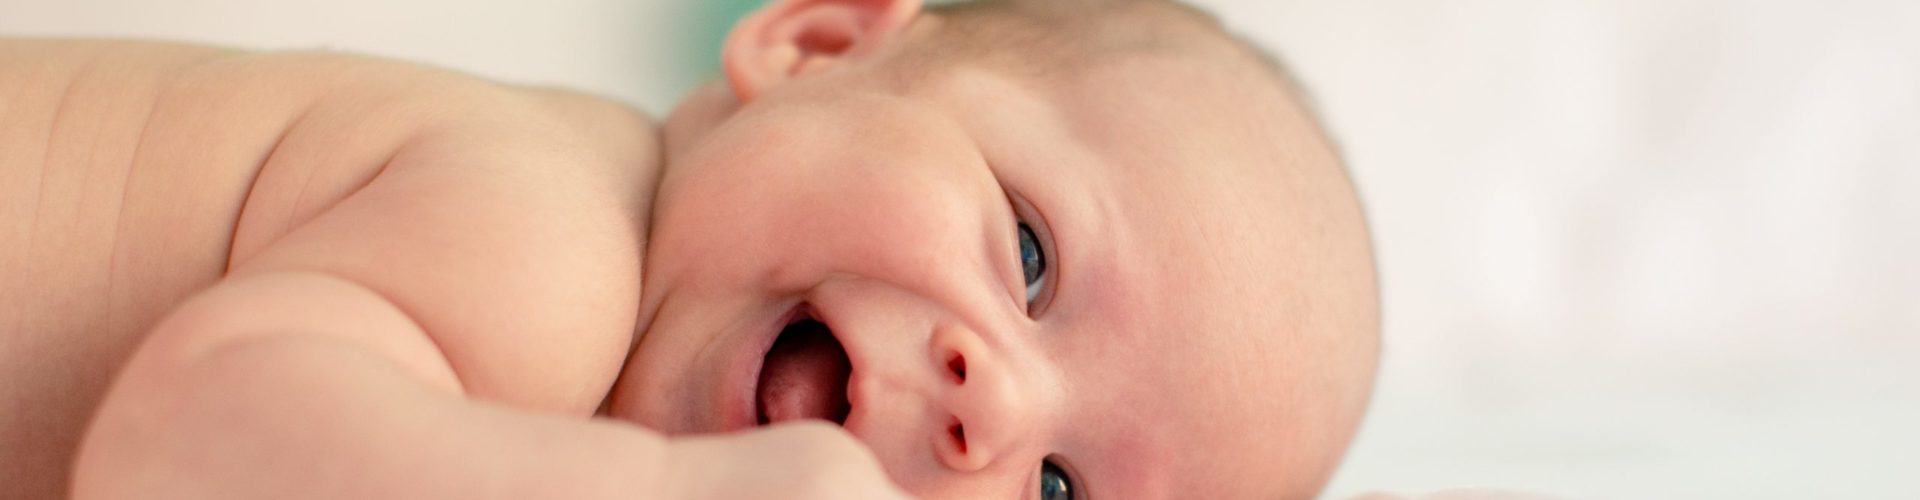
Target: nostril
x,y
958,365
959,434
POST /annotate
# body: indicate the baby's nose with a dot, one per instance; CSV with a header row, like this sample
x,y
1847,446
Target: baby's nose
x,y
989,412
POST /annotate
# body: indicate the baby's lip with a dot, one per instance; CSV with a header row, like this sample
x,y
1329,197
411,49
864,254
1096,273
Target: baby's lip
x,y
804,376
858,377
739,405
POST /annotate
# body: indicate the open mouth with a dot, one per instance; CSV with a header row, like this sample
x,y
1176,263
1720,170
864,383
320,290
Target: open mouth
x,y
804,375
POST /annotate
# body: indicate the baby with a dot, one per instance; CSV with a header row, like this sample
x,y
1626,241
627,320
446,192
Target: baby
x,y
1055,249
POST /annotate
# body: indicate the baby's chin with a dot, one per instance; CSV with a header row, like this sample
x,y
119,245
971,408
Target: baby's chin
x,y
637,400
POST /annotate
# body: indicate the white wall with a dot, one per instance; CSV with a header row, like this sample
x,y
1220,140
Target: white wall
x,y
1631,248
623,48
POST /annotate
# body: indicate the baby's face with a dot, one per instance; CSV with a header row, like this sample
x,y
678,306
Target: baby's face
x,y
1146,277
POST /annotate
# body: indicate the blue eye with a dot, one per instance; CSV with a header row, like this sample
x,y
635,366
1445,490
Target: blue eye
x,y
1033,262
1054,484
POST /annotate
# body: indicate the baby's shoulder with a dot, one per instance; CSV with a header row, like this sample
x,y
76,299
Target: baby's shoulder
x,y
367,122
507,221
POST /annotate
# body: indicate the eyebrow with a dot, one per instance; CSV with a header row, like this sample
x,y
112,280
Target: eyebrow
x,y
1125,476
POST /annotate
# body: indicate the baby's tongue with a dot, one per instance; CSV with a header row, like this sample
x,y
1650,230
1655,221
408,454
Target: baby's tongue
x,y
805,376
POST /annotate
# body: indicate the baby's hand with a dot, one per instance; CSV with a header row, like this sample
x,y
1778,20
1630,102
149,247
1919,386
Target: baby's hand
x,y
799,461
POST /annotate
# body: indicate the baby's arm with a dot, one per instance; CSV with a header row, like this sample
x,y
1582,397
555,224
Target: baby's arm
x,y
307,385
360,346
427,325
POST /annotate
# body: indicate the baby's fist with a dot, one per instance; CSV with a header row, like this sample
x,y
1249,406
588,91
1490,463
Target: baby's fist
x,y
801,461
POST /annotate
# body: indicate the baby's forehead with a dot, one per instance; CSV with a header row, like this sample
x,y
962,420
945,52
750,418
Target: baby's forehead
x,y
1210,238
1220,380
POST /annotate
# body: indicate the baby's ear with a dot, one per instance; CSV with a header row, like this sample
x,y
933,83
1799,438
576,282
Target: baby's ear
x,y
790,38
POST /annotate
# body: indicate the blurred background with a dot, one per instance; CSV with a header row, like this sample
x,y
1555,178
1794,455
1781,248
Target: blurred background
x,y
1630,248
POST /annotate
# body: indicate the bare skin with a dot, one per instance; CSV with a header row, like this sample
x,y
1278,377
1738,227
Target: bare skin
x,y
1204,322
327,276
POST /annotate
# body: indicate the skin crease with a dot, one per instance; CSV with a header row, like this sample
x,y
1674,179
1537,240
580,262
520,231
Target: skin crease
x,y
1208,327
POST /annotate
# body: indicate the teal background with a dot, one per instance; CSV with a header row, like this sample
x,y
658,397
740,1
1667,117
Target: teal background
x,y
701,54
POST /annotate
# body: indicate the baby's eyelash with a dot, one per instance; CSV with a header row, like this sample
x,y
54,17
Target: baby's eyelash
x,y
1030,230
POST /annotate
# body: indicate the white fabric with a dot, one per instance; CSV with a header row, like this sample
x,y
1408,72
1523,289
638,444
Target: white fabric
x,y
1632,248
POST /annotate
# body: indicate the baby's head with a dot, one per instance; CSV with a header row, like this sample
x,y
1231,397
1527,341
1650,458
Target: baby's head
x,y
1010,244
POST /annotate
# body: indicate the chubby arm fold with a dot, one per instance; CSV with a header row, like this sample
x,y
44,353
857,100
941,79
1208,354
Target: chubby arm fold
x,y
301,385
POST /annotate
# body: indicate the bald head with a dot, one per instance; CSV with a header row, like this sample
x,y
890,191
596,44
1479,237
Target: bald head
x,y
1051,36
1199,318
1285,321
